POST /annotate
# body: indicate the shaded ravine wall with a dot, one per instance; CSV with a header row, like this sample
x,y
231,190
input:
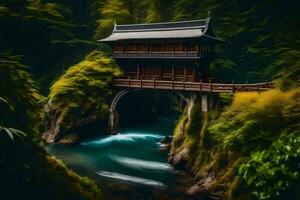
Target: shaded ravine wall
x,y
191,151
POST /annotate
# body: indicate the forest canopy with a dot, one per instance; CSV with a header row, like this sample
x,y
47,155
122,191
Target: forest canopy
x,y
53,35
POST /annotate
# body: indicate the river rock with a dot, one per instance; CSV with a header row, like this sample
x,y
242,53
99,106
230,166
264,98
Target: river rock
x,y
164,147
195,191
69,139
179,161
58,131
166,140
201,190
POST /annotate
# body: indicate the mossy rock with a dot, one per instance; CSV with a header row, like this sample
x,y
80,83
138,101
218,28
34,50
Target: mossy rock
x,y
80,96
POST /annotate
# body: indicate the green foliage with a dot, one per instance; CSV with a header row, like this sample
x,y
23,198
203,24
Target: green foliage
x,y
256,35
27,169
86,188
25,166
261,42
20,93
257,131
178,133
252,120
12,133
186,9
114,11
50,34
289,76
159,10
186,133
225,68
272,171
84,90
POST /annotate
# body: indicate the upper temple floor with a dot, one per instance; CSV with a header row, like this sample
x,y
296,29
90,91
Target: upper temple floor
x,y
186,39
162,50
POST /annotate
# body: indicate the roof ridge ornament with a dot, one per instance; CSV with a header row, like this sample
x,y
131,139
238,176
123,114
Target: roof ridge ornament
x,y
207,22
115,26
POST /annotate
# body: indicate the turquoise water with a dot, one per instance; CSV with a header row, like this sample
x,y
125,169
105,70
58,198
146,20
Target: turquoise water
x,y
130,165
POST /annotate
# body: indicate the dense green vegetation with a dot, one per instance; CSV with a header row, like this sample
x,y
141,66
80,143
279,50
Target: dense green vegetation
x,y
250,142
81,95
251,146
25,166
19,90
51,35
274,173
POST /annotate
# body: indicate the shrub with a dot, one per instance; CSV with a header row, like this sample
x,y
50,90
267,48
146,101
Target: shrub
x,y
253,120
270,172
84,90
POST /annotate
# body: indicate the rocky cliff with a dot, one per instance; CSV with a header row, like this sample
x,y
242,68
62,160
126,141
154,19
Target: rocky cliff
x,y
240,149
79,97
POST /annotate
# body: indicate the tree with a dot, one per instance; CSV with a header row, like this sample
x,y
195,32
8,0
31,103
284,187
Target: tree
x,y
159,10
18,88
186,9
114,11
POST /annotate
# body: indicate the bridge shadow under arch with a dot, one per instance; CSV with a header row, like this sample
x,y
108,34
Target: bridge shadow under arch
x,y
132,107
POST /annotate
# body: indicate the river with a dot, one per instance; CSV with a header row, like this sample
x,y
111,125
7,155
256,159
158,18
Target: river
x,y
131,165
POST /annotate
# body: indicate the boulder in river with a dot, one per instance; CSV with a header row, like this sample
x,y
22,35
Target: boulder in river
x,y
179,161
166,140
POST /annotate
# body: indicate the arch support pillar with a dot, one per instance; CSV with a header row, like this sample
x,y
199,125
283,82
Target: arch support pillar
x,y
113,119
113,122
206,102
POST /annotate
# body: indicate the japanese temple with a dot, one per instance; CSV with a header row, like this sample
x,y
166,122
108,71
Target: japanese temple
x,y
179,51
169,56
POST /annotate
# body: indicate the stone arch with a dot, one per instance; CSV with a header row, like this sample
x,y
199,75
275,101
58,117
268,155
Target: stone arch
x,y
113,120
116,100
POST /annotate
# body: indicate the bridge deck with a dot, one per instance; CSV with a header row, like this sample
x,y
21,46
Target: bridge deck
x,y
192,86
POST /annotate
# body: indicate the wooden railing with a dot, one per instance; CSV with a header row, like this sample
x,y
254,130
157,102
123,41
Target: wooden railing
x,y
192,86
157,54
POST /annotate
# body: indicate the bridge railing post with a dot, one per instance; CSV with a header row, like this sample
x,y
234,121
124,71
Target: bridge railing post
x,y
232,85
183,85
172,84
200,86
154,83
211,86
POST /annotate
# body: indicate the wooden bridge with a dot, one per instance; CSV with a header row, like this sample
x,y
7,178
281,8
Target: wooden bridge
x,y
170,56
192,86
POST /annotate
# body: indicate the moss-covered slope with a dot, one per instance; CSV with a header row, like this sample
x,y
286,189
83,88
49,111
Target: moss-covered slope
x,y
80,96
27,172
247,150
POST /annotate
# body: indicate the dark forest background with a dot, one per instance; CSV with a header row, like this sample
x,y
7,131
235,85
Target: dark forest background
x,y
261,37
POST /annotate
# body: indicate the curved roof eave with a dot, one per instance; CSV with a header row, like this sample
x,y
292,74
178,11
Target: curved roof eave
x,y
169,30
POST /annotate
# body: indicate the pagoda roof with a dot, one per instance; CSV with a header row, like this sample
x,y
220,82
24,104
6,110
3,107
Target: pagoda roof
x,y
168,30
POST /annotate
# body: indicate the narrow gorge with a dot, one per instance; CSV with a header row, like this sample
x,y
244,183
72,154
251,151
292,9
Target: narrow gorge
x,y
149,100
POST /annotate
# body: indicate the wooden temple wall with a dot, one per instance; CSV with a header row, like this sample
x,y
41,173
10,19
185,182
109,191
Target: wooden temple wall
x,y
162,72
164,47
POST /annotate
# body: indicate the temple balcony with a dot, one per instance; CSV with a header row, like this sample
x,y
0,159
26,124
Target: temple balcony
x,y
193,55
191,86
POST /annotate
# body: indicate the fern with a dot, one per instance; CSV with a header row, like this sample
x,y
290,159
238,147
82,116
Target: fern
x,y
12,133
